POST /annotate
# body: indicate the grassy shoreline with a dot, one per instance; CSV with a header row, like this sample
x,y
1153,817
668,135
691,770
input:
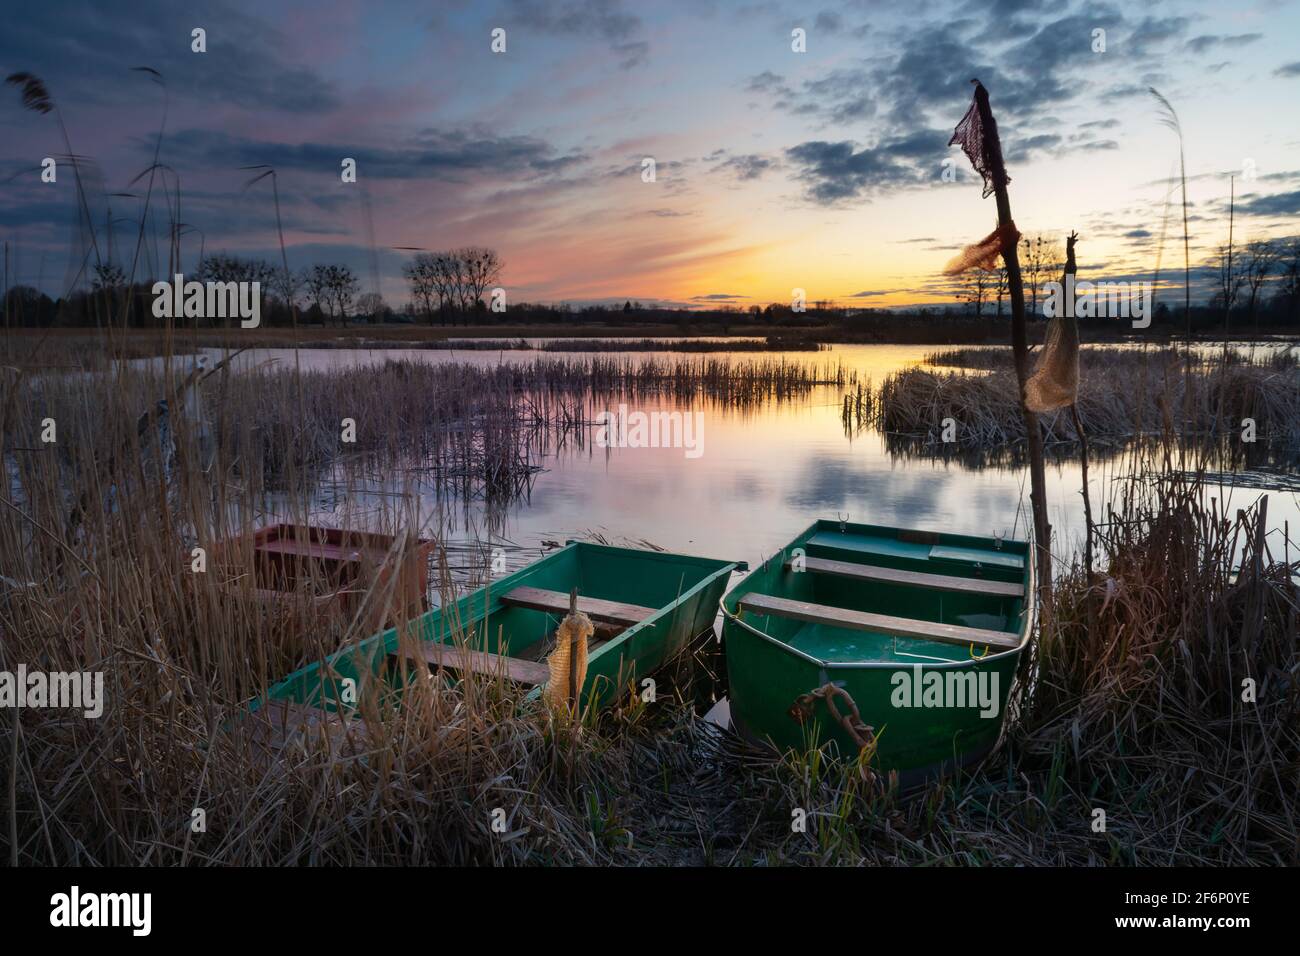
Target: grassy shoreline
x,y
30,347
1131,702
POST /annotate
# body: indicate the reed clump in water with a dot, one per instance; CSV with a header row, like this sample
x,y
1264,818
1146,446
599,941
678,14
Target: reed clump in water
x,y
1124,395
858,408
723,380
470,430
1092,357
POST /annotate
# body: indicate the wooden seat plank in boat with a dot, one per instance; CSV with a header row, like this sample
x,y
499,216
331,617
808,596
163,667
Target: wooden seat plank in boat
x,y
879,623
312,549
460,659
871,544
918,579
557,602
1000,559
914,546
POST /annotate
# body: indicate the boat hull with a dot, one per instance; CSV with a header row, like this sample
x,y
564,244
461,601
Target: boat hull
x,y
918,742
682,590
932,707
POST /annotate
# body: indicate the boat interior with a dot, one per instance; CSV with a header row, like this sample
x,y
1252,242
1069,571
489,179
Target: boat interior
x,y
509,629
520,617
864,593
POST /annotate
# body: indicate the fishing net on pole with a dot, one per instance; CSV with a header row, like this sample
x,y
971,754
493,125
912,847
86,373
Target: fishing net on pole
x,y
980,146
571,639
1055,382
984,254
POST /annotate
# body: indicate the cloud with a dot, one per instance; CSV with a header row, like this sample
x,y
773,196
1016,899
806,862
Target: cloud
x,y
834,172
1288,69
1123,91
450,154
748,167
1020,150
1201,44
1153,32
603,18
929,71
249,62
1278,204
606,19
828,21
632,54
766,82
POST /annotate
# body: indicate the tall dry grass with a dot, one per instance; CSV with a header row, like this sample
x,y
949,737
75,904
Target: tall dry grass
x,y
1131,704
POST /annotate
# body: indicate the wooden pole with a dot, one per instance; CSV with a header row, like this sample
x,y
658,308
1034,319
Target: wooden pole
x,y
574,693
1072,268
1087,498
1020,346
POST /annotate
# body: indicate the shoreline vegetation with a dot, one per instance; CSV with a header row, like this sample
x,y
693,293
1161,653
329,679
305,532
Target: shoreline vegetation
x,y
1131,700
1244,408
90,348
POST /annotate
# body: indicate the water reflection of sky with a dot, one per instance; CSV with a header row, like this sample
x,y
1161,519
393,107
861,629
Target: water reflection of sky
x,y
763,476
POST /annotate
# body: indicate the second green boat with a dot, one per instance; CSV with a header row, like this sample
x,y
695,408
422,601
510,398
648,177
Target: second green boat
x,y
921,632
647,607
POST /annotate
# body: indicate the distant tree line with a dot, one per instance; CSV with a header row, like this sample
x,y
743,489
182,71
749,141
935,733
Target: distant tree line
x,y
319,294
453,284
1244,276
1259,289
452,287
1257,284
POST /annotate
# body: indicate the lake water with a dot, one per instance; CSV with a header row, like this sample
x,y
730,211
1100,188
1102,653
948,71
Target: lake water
x,y
760,476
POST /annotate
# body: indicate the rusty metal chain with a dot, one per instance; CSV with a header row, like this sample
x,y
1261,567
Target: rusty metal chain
x,y
862,734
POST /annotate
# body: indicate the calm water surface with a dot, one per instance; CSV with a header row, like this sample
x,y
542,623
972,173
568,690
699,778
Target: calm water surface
x,y
763,474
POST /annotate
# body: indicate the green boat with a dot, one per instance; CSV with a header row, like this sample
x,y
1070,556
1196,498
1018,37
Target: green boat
x,y
920,631
646,605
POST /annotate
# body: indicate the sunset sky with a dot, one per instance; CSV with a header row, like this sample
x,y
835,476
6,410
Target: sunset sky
x,y
820,170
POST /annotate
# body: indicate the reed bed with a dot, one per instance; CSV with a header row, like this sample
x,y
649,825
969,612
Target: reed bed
x,y
478,430
1090,356
1166,689
858,408
1099,356
1131,703
1123,397
739,383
